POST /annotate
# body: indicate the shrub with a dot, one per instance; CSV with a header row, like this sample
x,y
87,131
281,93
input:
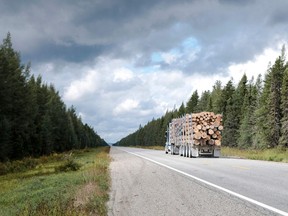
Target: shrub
x,y
3,169
69,165
18,166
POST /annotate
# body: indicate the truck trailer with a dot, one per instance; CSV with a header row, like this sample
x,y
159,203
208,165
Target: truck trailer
x,y
194,135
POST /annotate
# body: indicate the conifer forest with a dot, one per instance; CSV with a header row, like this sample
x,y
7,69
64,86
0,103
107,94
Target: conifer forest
x,y
34,120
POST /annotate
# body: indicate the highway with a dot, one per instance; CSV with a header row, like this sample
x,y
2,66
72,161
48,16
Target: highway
x,y
170,184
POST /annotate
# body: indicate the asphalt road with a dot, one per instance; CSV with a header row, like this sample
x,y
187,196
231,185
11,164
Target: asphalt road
x,y
149,182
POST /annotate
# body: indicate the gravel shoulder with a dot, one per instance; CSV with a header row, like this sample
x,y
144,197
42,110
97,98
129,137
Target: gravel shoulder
x,y
140,187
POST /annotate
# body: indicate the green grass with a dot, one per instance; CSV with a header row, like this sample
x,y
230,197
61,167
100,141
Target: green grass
x,y
275,154
49,189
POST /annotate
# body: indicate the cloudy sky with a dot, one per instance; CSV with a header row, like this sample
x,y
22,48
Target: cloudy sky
x,y
123,62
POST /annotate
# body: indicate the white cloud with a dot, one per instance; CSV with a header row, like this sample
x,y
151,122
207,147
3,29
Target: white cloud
x,y
88,84
122,74
126,106
256,66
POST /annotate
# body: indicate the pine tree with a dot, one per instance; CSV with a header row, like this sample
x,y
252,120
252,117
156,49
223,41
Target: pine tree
x,y
216,97
192,104
234,113
247,121
13,100
230,134
274,100
181,110
262,127
226,96
205,103
71,116
5,137
283,142
257,93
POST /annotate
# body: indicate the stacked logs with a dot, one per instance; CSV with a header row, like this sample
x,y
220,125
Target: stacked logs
x,y
207,128
203,128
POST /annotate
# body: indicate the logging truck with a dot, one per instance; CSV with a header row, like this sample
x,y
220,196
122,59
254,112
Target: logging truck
x,y
194,135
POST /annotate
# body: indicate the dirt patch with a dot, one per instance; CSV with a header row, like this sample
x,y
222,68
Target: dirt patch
x,y
85,193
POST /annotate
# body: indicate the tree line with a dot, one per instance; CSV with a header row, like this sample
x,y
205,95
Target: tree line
x,y
34,120
255,112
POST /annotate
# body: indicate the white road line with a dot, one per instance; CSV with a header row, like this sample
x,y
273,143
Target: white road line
x,y
215,186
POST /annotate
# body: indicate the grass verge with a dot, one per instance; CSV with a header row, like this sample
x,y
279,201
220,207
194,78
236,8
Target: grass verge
x,y
76,184
162,148
277,155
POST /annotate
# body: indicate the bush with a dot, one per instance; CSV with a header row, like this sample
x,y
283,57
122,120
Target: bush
x,y
3,169
69,165
18,166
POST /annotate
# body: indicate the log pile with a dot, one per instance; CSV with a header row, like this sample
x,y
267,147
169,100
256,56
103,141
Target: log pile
x,y
207,128
203,128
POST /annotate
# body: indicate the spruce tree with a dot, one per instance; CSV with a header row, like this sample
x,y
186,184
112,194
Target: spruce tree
x,y
216,97
234,113
256,94
247,121
14,103
205,103
226,95
283,142
274,101
262,127
181,110
192,104
227,104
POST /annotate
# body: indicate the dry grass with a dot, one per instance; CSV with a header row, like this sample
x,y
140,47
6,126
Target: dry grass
x,y
85,193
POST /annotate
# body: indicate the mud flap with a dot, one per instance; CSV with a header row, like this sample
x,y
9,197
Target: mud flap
x,y
217,153
195,152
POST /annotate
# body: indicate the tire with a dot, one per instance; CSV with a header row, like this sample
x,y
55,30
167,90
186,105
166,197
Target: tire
x,y
184,151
